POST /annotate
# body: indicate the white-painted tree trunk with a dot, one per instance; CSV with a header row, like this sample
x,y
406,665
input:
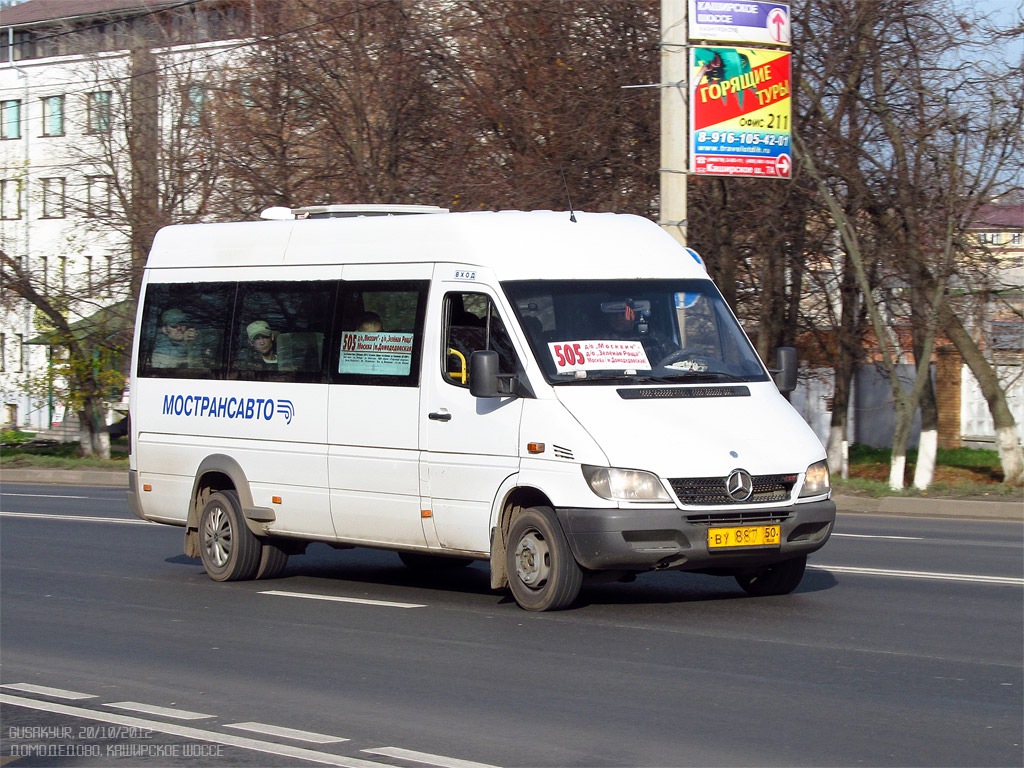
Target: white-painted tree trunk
x,y
1010,454
924,471
897,467
834,449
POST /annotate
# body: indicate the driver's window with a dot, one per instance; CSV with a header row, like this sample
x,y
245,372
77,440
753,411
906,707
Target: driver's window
x,y
698,327
471,323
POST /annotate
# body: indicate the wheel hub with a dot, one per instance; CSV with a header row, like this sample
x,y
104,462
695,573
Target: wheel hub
x,y
533,559
217,537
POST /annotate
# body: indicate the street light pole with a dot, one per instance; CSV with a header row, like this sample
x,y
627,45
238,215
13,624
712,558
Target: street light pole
x,y
674,117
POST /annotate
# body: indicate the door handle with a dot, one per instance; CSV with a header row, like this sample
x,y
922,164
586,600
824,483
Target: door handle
x,y
440,416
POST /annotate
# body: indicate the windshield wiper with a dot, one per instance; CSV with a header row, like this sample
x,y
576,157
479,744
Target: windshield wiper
x,y
701,376
603,377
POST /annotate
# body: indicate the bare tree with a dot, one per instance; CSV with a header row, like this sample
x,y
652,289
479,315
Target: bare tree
x,y
147,159
890,159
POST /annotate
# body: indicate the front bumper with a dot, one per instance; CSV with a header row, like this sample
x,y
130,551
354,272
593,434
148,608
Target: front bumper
x,y
655,538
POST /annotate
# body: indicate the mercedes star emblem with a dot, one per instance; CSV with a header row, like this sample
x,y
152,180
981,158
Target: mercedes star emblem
x,y
739,485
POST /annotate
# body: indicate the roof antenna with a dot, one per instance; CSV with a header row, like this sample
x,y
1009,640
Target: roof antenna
x,y
572,216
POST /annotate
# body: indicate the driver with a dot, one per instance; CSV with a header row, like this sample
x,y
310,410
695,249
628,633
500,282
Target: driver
x,y
623,326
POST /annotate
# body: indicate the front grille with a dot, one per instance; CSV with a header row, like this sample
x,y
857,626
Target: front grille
x,y
761,517
710,491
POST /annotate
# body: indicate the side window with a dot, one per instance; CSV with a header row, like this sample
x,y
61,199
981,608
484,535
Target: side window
x,y
381,333
280,330
183,330
471,323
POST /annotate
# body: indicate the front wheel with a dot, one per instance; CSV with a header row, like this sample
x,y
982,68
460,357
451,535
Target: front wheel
x,y
777,579
229,550
542,572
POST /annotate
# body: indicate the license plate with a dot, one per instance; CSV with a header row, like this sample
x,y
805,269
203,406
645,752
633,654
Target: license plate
x,y
747,536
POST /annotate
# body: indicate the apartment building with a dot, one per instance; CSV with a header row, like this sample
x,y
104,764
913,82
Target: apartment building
x,y
81,82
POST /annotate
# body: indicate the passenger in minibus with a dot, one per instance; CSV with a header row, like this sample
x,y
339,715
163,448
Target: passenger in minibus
x,y
370,322
264,344
176,338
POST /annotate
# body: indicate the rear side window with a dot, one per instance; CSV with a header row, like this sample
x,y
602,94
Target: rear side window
x,y
281,330
381,333
183,332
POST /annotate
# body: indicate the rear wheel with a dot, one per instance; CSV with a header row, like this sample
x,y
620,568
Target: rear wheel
x,y
273,559
229,550
542,572
776,579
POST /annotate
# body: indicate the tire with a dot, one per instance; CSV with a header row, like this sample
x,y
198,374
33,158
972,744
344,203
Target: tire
x,y
421,561
542,572
778,579
229,550
273,559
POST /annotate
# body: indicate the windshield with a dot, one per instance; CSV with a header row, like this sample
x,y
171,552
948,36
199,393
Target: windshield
x,y
637,331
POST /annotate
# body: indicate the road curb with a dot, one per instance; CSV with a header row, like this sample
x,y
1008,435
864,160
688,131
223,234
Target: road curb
x,y
886,505
104,477
918,507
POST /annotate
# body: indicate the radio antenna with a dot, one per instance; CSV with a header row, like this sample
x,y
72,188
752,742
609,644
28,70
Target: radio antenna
x,y
572,216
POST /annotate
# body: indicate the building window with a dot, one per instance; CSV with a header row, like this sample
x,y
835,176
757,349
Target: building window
x,y
53,116
98,112
53,198
3,353
20,349
1017,239
10,199
99,196
108,282
10,119
195,105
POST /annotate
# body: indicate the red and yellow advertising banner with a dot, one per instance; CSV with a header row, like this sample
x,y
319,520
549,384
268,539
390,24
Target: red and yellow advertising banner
x,y
740,112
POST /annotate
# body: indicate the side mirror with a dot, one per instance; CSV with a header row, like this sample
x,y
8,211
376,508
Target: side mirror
x,y
785,374
483,373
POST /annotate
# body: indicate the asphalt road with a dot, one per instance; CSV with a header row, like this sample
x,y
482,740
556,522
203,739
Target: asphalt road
x,y
903,646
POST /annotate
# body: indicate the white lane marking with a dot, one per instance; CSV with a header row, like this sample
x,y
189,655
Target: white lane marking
x,y
50,496
149,709
286,733
230,740
965,577
45,690
79,518
878,536
423,757
336,599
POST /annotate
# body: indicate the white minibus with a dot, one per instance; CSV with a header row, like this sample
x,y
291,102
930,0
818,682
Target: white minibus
x,y
560,396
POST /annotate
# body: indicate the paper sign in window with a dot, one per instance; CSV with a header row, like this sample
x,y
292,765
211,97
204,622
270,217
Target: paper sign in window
x,y
378,354
598,355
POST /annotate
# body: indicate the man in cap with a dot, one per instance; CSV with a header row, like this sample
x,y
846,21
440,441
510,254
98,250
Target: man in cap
x,y
264,342
175,340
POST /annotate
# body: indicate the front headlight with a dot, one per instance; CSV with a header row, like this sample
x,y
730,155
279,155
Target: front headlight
x,y
625,484
816,480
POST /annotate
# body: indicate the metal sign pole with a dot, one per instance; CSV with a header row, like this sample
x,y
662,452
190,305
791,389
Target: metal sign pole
x,y
674,116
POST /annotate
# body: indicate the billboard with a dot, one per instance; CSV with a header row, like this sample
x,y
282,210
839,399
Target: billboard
x,y
748,21
740,112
